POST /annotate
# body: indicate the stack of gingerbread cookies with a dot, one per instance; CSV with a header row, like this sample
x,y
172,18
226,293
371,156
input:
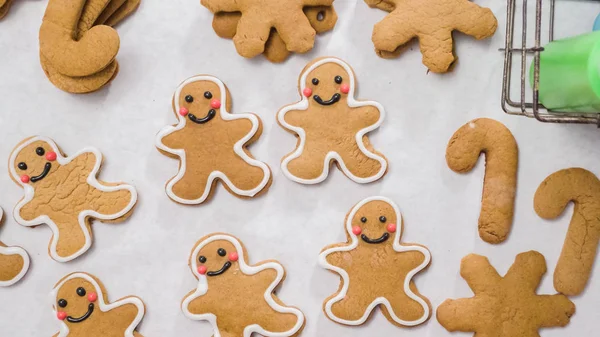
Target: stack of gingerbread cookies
x,y
275,31
78,45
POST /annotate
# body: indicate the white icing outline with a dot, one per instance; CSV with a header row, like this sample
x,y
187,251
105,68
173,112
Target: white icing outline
x,y
14,251
64,328
248,270
91,180
380,300
238,148
331,155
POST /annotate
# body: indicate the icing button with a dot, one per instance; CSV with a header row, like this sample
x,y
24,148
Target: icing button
x,y
356,230
345,88
61,315
25,178
92,297
233,257
51,156
307,92
183,111
202,270
391,227
215,104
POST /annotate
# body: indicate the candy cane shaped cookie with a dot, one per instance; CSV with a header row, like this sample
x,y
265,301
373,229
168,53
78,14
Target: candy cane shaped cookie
x,y
488,136
579,250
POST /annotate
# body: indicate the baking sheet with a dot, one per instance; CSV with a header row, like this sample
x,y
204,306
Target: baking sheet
x,y
168,41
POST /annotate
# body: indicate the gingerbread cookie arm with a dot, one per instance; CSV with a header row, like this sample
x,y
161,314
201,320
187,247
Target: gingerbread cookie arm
x,y
581,243
70,57
393,31
499,187
479,273
474,20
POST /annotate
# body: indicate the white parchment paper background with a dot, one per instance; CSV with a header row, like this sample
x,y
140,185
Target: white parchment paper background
x,y
168,41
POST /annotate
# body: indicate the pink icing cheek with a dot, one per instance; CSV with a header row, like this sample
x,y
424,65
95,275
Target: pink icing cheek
x,y
345,88
356,230
61,315
215,104
233,257
25,179
391,227
51,156
307,92
92,297
202,270
183,111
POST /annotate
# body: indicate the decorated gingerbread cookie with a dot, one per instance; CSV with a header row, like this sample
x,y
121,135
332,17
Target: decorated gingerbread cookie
x,y
259,17
14,263
236,298
64,193
432,23
505,306
81,304
211,144
375,268
331,126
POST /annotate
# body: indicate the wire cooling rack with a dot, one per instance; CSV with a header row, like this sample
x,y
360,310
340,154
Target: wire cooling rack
x,y
527,103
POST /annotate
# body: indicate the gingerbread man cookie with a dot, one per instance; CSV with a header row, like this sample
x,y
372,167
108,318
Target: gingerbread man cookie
x,y
236,298
375,268
64,193
259,17
206,130
81,304
14,263
331,126
505,306
432,22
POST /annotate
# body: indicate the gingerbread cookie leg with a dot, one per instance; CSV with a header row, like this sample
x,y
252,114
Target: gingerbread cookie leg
x,y
581,242
256,32
72,238
246,179
362,164
475,21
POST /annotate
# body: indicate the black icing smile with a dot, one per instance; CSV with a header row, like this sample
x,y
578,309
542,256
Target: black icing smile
x,y
211,114
334,99
380,239
44,173
84,317
220,271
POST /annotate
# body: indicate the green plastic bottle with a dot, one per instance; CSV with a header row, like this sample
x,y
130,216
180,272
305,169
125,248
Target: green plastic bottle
x,y
570,74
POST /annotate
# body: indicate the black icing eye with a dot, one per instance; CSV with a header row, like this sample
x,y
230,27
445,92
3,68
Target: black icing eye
x,y
338,79
189,98
363,219
315,81
221,252
202,259
208,95
382,219
62,303
81,291
40,151
22,166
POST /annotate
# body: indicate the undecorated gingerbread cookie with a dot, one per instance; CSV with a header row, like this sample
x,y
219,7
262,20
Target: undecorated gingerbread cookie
x,y
484,135
576,260
238,299
259,17
505,306
321,18
14,263
331,126
82,306
65,194
432,22
376,270
211,144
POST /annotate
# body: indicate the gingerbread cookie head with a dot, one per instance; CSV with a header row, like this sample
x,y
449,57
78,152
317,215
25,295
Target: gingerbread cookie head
x,y
332,126
235,297
34,161
81,304
375,222
14,263
206,129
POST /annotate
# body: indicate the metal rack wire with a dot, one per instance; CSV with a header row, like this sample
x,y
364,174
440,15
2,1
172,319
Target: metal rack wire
x,y
521,106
